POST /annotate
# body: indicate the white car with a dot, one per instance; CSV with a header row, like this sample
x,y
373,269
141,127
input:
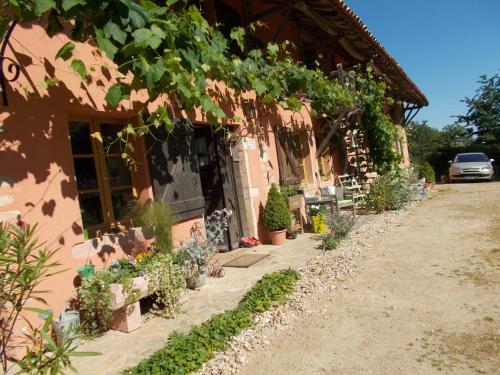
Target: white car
x,y
471,166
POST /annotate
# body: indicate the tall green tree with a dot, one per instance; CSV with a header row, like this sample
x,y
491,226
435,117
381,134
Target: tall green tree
x,y
455,135
483,111
423,141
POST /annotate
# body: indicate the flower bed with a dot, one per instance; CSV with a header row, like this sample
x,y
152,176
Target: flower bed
x,y
186,353
102,297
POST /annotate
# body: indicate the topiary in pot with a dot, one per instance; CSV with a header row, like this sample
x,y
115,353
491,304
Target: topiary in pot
x,y
428,173
276,217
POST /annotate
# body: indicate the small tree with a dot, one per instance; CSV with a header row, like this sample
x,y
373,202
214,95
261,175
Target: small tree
x,y
24,266
275,216
483,110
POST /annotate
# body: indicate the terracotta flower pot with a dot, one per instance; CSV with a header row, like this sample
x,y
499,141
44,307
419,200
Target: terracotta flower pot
x,y
278,237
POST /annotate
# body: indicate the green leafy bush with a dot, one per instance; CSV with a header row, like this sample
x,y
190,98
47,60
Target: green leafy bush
x,y
330,242
94,297
388,192
317,210
186,353
341,225
165,279
290,191
428,173
275,215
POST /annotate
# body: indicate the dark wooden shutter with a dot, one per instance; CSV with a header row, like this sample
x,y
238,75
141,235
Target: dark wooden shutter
x,y
229,193
288,148
174,171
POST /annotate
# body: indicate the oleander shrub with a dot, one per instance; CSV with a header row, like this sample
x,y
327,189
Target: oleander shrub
x,y
25,266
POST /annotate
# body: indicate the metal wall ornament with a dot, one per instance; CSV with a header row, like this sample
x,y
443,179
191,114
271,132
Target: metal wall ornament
x,y
9,69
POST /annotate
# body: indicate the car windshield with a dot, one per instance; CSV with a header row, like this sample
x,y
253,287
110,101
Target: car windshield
x,y
471,158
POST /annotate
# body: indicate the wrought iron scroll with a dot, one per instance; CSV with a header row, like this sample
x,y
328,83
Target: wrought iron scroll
x,y
9,69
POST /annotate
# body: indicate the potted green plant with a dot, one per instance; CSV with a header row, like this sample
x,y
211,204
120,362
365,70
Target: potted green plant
x,y
429,175
193,256
317,213
276,217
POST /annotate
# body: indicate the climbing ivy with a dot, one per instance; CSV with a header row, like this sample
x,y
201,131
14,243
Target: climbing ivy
x,y
382,133
171,51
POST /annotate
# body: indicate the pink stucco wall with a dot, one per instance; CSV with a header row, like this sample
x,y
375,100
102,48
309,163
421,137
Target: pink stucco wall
x,y
37,173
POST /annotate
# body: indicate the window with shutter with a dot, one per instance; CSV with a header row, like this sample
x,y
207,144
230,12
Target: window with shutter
x,y
290,159
175,170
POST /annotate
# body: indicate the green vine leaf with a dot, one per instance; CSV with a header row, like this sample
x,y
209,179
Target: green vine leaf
x,y
105,44
79,67
238,35
160,117
68,4
66,51
117,93
49,82
111,29
42,6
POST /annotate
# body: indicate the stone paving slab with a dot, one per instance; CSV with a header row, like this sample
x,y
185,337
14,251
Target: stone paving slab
x,y
123,350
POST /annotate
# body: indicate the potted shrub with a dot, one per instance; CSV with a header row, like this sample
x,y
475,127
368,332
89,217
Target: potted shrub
x,y
193,256
429,175
317,213
276,217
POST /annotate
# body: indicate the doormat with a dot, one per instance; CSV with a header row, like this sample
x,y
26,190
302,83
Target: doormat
x,y
245,260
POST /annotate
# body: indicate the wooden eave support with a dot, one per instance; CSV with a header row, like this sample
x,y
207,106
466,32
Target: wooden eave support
x,y
411,112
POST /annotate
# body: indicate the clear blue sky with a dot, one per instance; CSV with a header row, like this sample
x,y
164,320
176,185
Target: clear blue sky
x,y
443,45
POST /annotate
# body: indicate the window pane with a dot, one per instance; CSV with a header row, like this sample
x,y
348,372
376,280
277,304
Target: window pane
x,y
109,137
118,172
121,199
79,133
90,207
85,172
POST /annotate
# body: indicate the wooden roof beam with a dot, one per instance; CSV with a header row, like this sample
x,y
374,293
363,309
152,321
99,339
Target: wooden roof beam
x,y
273,10
326,26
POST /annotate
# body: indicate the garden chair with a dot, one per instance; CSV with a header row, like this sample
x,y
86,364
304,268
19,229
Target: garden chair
x,y
352,188
323,200
341,198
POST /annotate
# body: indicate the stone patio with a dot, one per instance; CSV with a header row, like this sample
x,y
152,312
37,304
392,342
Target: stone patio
x,y
123,350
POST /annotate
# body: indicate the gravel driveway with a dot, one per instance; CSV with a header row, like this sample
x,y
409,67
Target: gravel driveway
x,y
426,299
